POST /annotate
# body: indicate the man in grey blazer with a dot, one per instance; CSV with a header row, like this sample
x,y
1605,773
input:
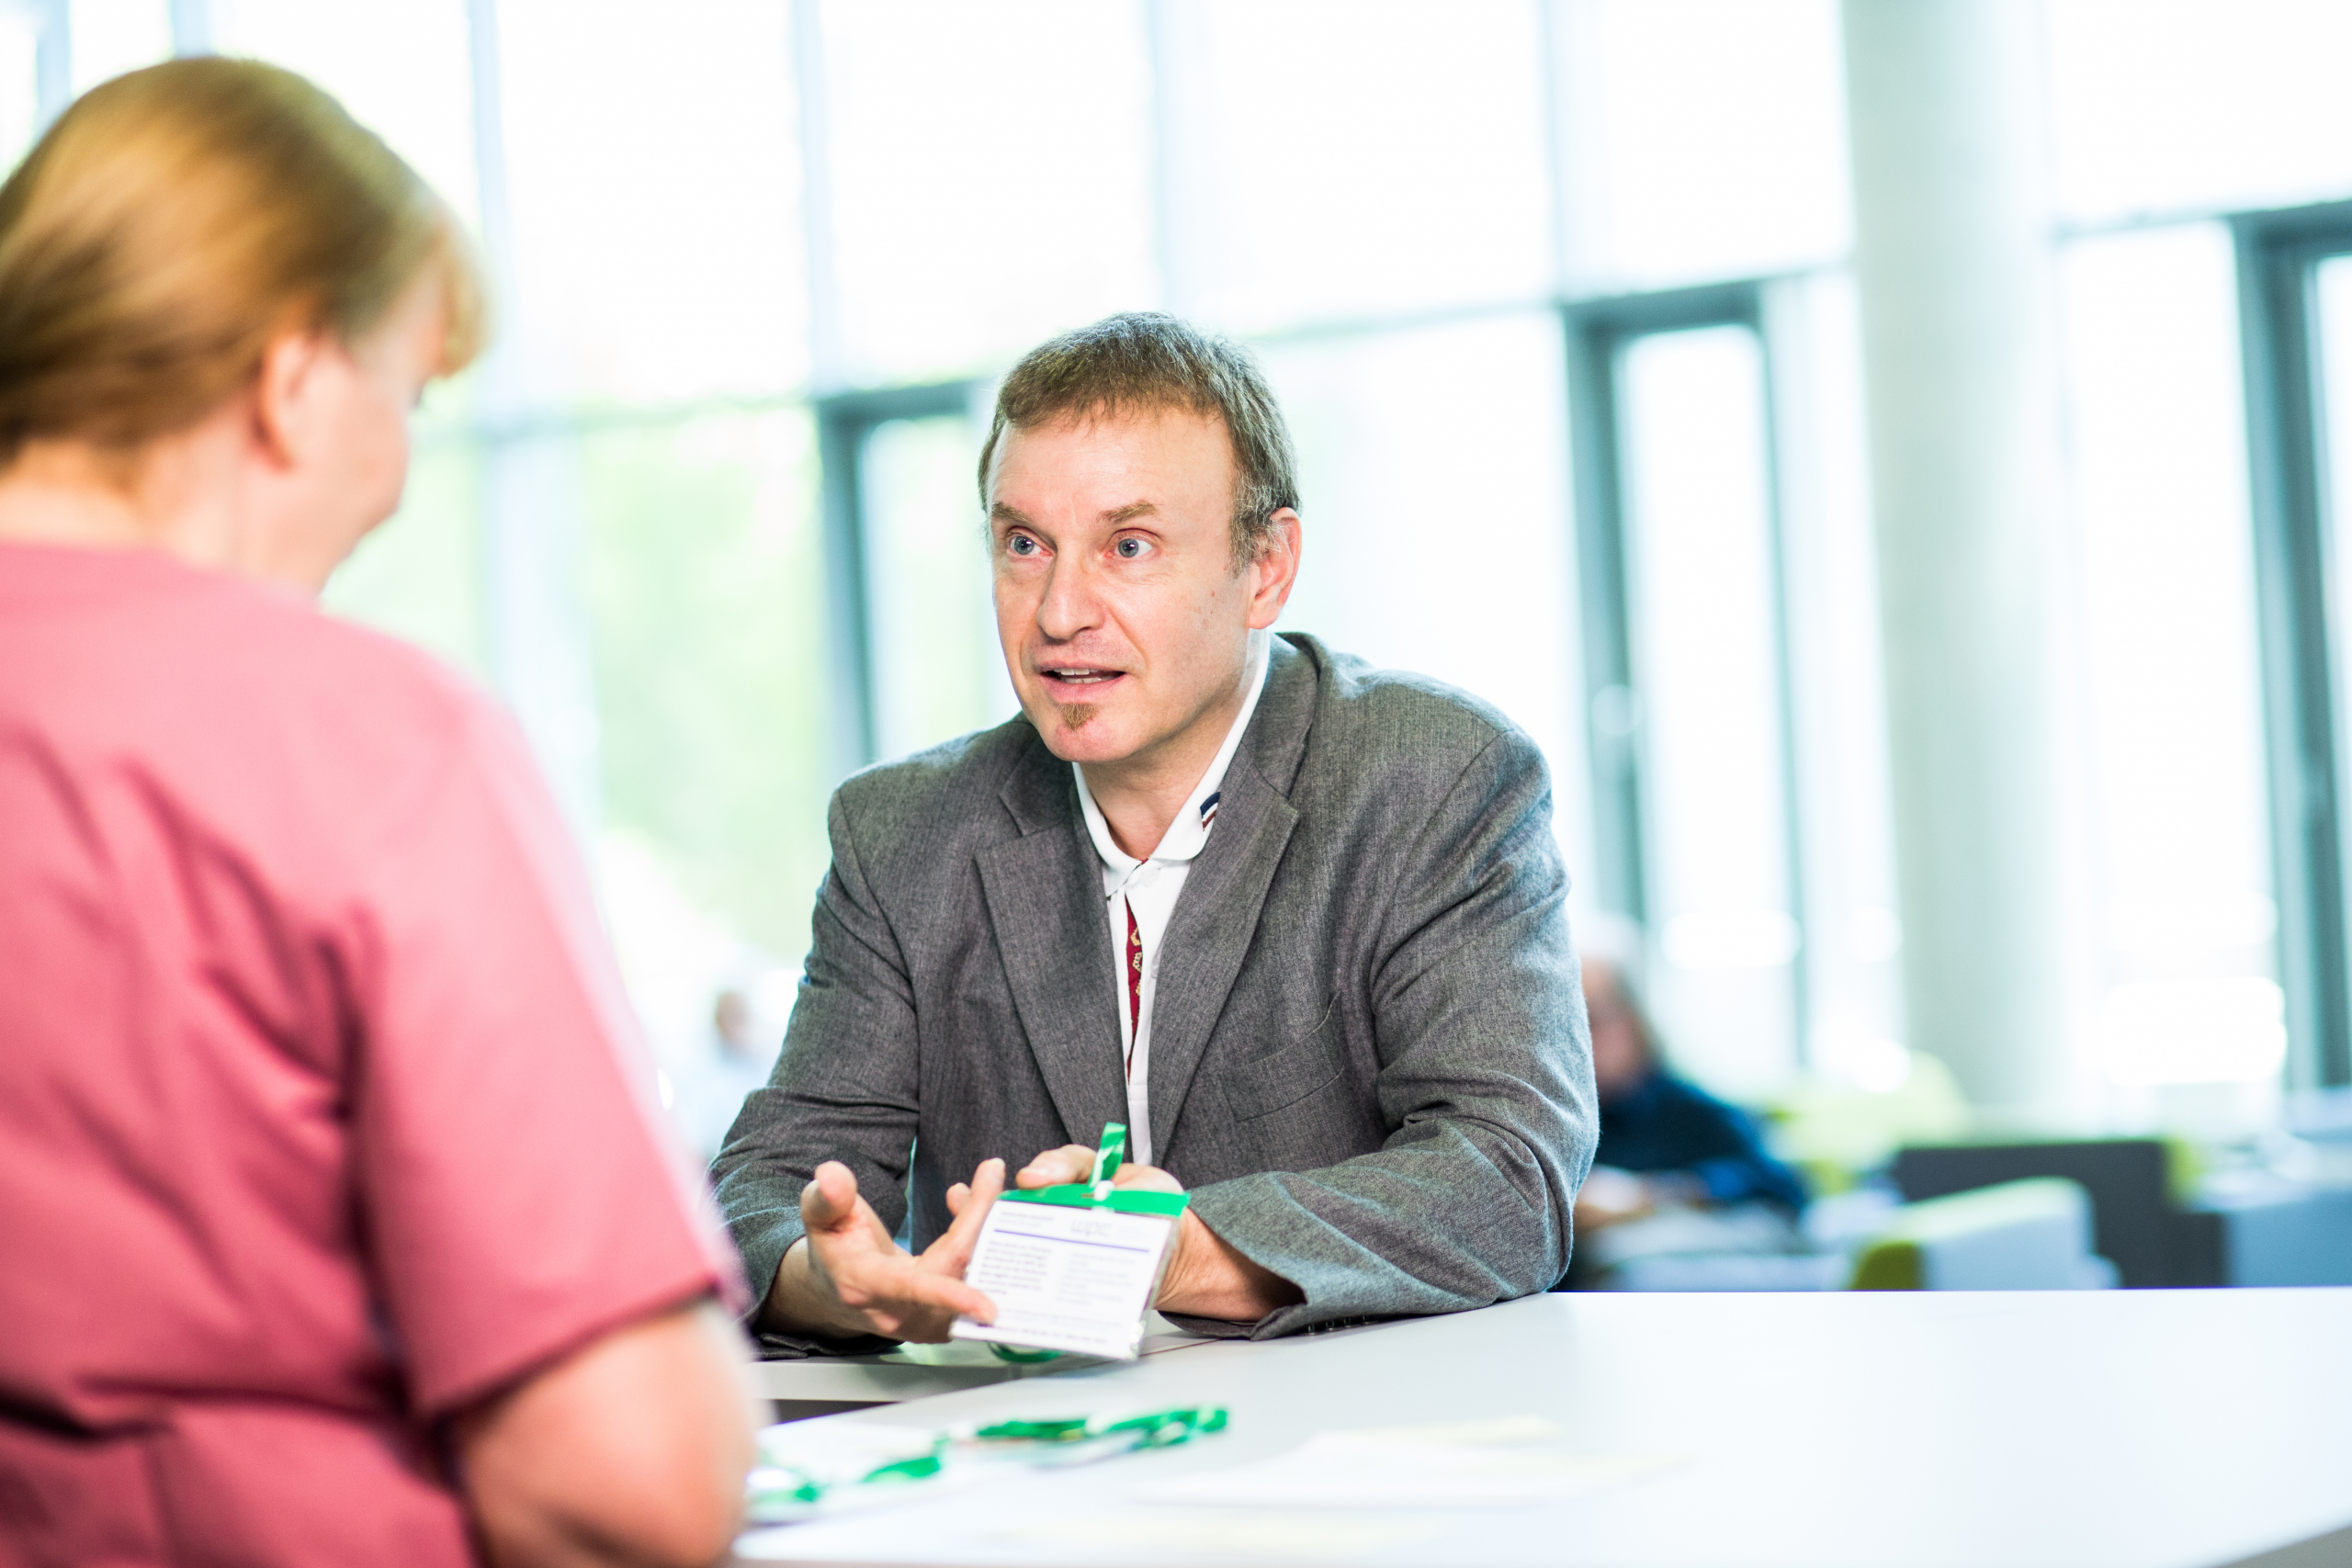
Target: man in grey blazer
x,y
1300,923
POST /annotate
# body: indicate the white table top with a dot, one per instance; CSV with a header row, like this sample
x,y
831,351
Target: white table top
x,y
2106,1429
918,1372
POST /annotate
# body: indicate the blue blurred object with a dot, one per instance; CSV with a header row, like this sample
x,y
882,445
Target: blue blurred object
x,y
1667,1123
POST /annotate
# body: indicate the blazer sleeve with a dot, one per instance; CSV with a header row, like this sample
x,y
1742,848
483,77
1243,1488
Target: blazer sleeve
x,y
1485,1075
843,1087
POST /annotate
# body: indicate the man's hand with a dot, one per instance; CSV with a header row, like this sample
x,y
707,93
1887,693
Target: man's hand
x,y
847,1276
1206,1276
1075,1162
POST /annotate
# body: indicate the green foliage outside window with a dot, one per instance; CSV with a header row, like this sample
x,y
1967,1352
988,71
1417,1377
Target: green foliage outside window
x,y
704,569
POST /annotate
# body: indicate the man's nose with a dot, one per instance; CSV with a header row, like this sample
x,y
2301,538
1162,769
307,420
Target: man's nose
x,y
1070,606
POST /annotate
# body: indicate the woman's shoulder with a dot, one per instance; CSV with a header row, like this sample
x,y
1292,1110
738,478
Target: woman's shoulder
x,y
253,707
335,671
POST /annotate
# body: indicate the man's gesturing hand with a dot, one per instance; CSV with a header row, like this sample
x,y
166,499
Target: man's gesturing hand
x,y
847,1276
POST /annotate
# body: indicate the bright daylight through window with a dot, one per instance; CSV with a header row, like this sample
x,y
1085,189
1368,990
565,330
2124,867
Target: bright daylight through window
x,y
679,521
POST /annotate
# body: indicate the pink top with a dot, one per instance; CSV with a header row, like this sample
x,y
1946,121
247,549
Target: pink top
x,y
321,1112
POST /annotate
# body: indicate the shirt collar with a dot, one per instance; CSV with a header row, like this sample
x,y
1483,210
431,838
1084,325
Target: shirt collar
x,y
1190,833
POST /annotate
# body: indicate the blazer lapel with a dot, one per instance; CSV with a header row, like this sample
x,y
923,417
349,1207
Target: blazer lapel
x,y
1216,917
1044,897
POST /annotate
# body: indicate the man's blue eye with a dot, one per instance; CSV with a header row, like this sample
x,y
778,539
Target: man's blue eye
x,y
1020,544
1129,548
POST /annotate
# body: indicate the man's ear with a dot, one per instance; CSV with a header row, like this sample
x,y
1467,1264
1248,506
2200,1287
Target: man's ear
x,y
1275,570
284,394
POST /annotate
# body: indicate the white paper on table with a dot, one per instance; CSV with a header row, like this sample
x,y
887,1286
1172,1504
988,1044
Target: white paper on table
x,y
1515,1461
1143,1534
1064,1277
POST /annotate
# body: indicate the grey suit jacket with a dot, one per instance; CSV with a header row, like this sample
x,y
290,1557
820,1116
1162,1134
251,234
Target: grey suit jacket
x,y
1369,1062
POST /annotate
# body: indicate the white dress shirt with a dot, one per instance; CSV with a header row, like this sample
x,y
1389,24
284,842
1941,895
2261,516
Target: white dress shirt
x,y
1148,888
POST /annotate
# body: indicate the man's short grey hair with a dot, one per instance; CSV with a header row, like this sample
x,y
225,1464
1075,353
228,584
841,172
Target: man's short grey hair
x,y
1144,361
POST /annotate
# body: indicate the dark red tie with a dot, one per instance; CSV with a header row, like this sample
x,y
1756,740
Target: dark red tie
x,y
1134,986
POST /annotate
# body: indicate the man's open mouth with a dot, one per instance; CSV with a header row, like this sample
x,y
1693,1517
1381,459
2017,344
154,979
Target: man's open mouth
x,y
1080,674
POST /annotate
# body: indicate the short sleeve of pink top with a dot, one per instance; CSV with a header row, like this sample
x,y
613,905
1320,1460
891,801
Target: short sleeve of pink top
x,y
319,1111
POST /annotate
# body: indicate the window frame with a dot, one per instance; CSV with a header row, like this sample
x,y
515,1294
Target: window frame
x,y
845,423
1600,333
2279,254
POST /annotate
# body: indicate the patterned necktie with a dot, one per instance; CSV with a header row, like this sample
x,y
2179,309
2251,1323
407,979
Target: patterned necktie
x,y
1134,985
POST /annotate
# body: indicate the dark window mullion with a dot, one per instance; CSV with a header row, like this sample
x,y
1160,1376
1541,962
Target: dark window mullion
x,y
2287,468
845,422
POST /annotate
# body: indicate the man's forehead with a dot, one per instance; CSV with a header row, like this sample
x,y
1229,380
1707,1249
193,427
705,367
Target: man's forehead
x,y
1165,435
1004,512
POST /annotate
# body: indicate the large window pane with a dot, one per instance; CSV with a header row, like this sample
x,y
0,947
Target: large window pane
x,y
419,575
1434,488
990,171
2172,105
2181,824
19,85
1703,139
110,36
654,178
1337,163
704,574
1701,580
1854,1024
703,580
405,72
938,672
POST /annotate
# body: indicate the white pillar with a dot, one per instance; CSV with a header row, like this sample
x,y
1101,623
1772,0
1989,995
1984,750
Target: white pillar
x,y
1953,260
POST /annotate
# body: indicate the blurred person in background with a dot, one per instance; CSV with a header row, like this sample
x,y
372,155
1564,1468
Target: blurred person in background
x,y
305,1019
729,1063
1677,1170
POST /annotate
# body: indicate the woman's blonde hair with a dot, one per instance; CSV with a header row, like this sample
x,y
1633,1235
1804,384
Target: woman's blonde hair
x,y
176,220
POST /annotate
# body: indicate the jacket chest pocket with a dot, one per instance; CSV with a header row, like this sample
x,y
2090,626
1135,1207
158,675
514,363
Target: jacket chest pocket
x,y
1261,1086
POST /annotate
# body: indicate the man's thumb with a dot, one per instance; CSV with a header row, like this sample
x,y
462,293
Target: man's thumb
x,y
830,1197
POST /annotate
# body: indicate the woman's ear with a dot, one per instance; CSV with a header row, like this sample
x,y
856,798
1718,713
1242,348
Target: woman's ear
x,y
285,397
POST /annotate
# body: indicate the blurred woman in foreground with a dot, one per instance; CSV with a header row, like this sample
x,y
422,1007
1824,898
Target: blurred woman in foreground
x,y
337,1229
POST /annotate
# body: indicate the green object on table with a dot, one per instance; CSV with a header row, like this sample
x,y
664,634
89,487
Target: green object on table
x,y
1153,1429
809,1488
1033,1431
1166,1428
921,1467
1020,1358
780,1490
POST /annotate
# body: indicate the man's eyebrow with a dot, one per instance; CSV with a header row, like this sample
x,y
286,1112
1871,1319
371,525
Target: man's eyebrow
x,y
1130,511
1000,513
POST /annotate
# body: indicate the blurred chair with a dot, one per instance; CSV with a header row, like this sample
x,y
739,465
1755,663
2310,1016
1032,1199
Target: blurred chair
x,y
2162,1221
2138,1187
2259,1229
2019,1236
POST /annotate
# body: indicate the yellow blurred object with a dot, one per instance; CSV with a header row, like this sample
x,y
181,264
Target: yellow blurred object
x,y
1835,1130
